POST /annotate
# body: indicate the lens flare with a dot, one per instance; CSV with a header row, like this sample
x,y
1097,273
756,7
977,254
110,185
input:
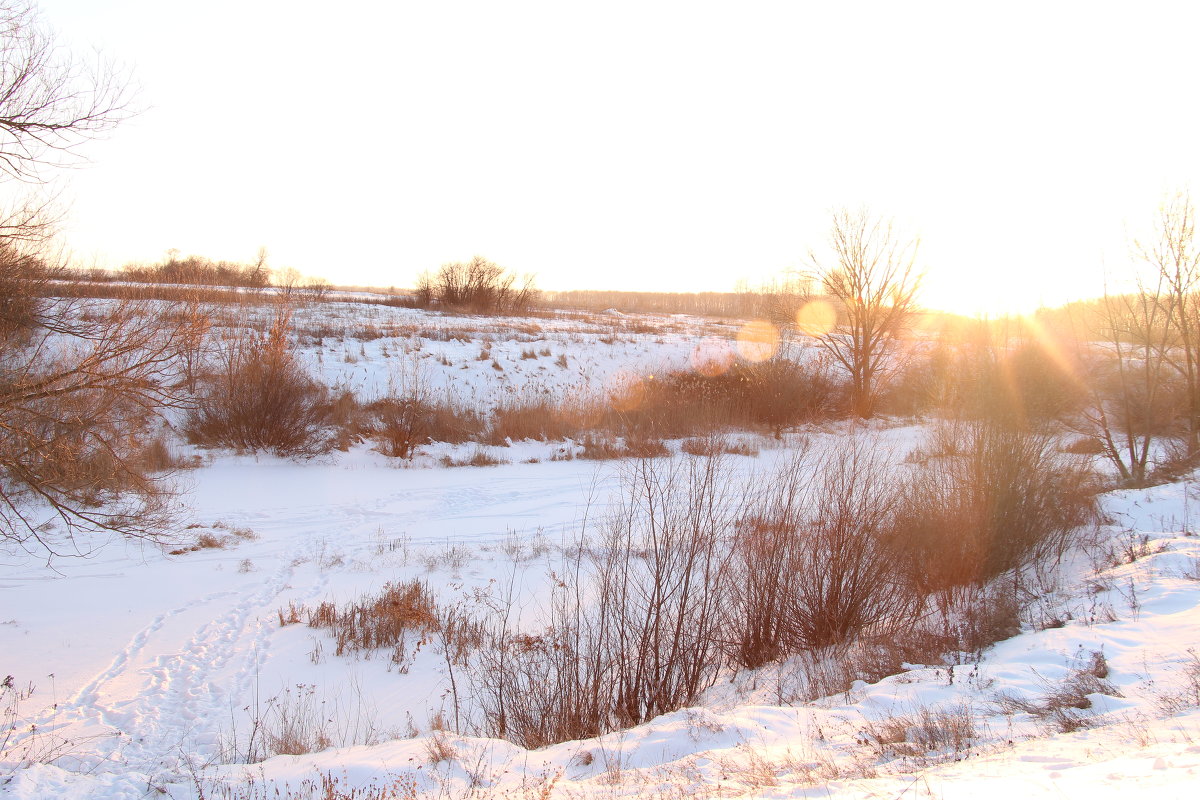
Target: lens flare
x,y
816,317
712,357
757,340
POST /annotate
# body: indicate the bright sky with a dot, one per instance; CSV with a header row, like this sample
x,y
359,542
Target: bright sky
x,y
644,145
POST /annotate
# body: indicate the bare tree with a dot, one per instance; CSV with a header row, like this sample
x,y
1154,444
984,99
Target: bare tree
x,y
1174,258
49,102
874,280
78,392
1145,377
1129,396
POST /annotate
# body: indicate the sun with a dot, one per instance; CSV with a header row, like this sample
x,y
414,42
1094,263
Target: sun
x,y
989,299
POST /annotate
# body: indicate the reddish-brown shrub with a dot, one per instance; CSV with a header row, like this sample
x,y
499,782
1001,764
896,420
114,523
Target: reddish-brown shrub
x,y
259,397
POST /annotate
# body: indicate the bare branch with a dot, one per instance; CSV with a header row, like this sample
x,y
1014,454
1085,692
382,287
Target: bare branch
x,y
50,102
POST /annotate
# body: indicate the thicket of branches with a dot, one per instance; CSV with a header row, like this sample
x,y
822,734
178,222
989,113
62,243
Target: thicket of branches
x,y
200,271
477,286
79,398
693,574
255,395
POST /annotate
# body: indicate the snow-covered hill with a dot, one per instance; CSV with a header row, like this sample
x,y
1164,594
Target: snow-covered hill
x,y
140,673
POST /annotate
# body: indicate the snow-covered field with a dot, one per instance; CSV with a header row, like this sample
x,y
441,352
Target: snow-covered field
x,y
138,672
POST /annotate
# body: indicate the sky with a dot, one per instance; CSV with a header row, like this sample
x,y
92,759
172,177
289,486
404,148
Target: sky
x,y
643,146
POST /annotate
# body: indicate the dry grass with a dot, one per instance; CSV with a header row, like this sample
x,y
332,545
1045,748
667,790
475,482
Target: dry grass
x,y
402,423
479,457
439,749
602,447
1186,694
927,735
321,787
1064,706
537,416
716,445
216,539
373,621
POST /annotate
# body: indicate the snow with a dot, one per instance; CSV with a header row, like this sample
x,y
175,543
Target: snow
x,y
149,667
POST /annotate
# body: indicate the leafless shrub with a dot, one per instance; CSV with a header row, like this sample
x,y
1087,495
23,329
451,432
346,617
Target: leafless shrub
x,y
259,397
477,286
773,394
1008,501
200,271
459,636
666,603
635,632
23,279
402,422
760,594
810,675
815,568
400,425
1083,446
847,579
972,617
1034,383
346,418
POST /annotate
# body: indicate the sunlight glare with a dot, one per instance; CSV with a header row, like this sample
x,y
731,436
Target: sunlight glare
x,y
757,340
816,317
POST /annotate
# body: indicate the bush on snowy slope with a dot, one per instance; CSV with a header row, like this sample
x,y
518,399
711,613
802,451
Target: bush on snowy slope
x,y
992,500
694,575
258,396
